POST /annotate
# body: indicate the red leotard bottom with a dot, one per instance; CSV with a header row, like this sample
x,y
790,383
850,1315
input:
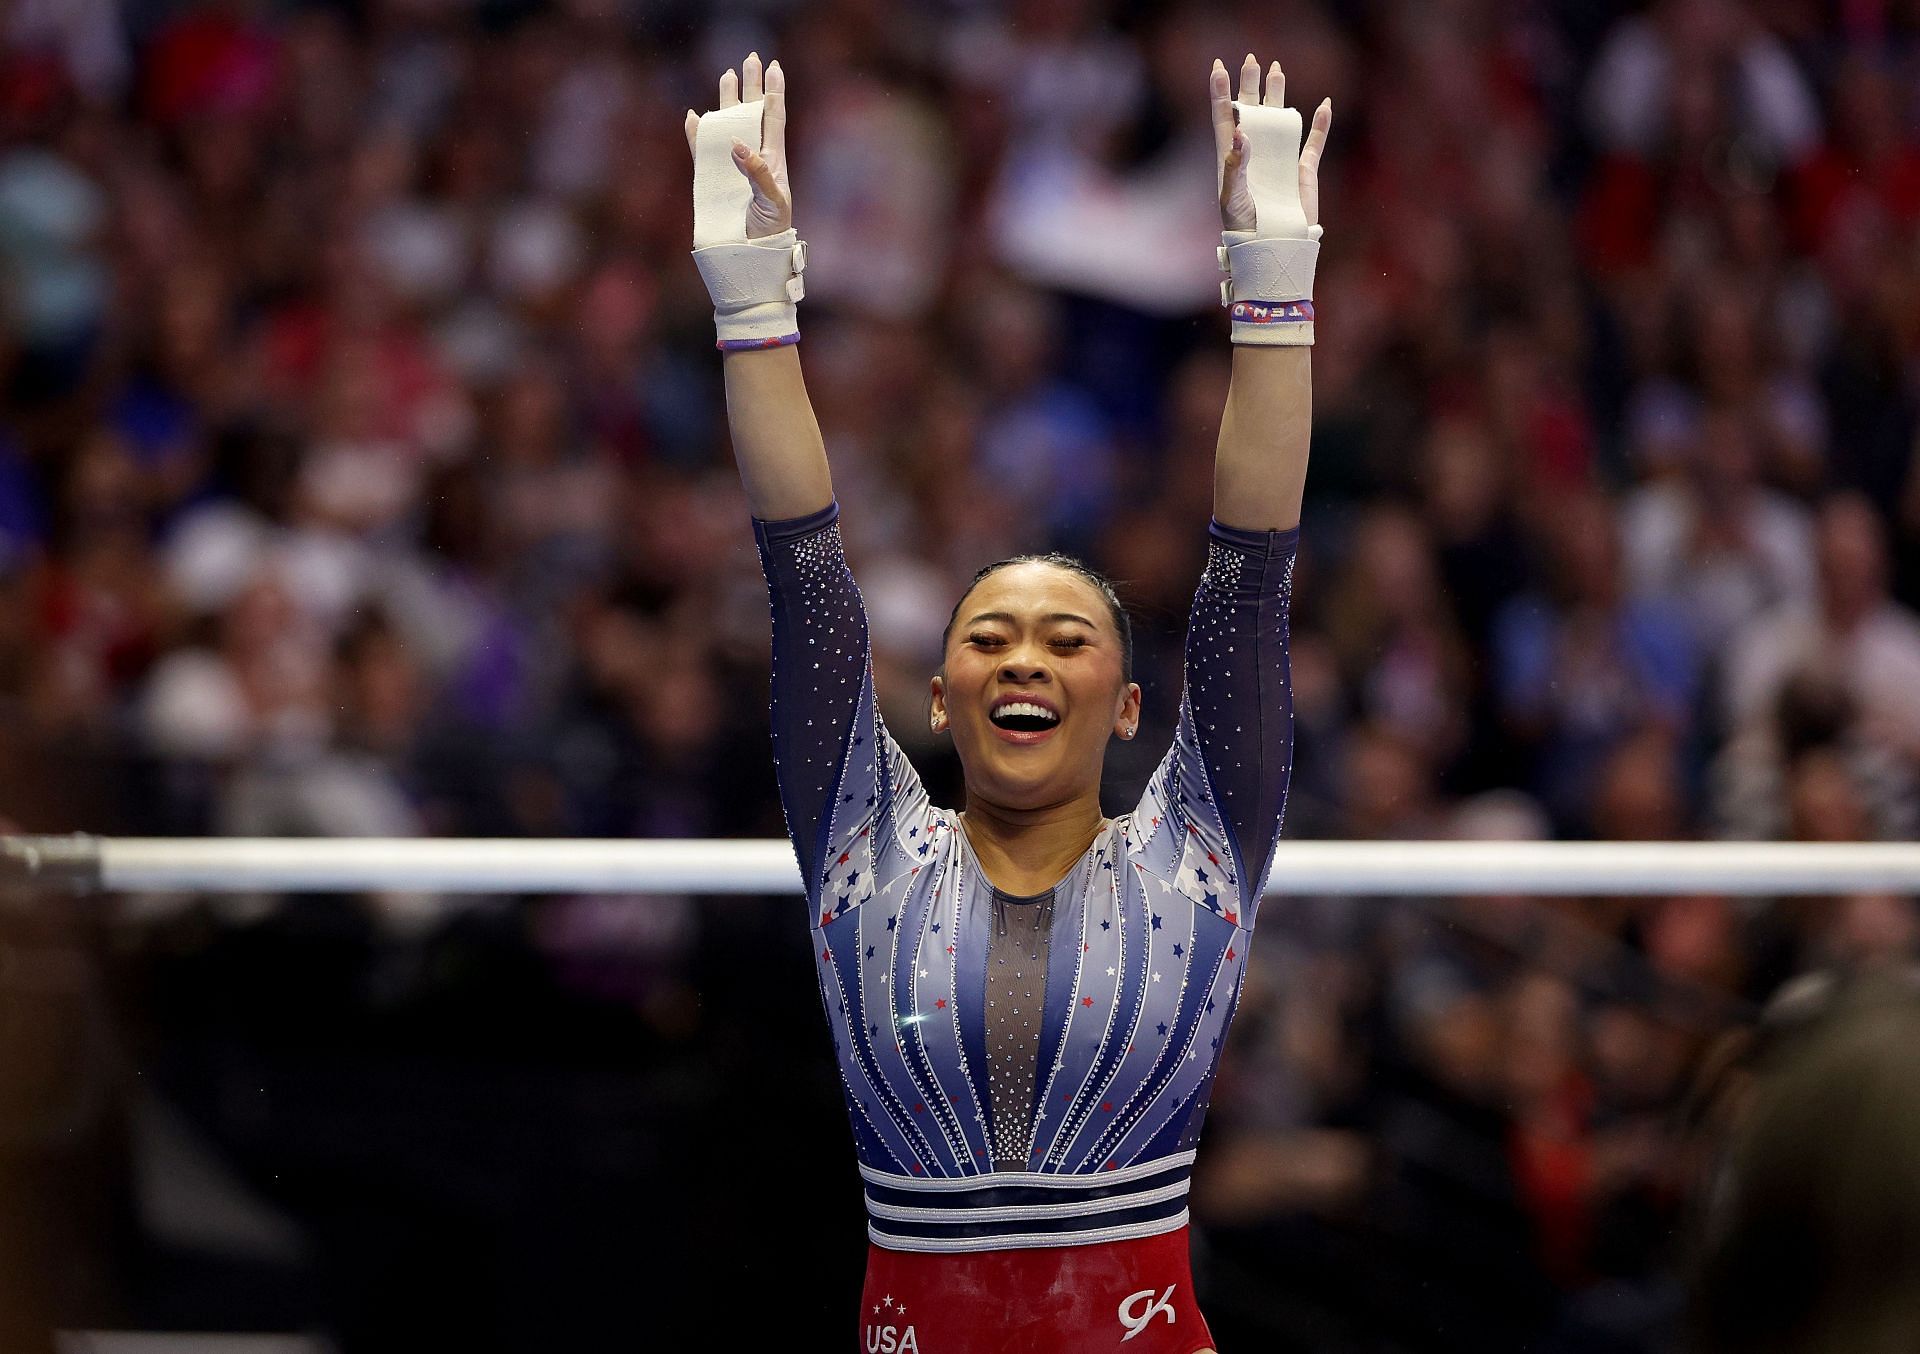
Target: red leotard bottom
x,y
1132,1296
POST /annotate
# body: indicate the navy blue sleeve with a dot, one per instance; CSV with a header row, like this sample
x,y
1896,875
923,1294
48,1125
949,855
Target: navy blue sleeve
x,y
840,772
1223,784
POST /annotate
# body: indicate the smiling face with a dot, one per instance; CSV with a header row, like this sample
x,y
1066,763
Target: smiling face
x,y
1034,686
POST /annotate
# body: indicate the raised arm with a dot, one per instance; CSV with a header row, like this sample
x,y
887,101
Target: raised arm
x,y
1270,212
746,249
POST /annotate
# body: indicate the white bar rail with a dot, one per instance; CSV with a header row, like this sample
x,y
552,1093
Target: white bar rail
x,y
742,866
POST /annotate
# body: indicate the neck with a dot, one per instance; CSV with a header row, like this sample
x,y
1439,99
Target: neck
x,y
1026,851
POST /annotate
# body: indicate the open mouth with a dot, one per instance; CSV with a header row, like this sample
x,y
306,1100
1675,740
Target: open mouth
x,y
1028,718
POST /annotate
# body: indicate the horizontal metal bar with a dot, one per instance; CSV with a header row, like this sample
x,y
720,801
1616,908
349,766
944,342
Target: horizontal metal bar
x,y
742,866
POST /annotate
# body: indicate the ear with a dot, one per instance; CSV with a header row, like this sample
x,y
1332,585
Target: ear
x,y
939,688
1126,716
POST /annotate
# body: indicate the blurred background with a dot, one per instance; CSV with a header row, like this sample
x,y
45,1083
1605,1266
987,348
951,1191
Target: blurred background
x,y
363,472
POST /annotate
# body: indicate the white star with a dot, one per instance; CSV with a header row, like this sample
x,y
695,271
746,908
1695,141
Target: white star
x,y
876,1309
887,1301
1156,977
1109,972
902,1309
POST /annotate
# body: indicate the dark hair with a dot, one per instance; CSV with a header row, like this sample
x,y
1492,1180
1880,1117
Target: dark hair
x,y
1809,1231
1101,583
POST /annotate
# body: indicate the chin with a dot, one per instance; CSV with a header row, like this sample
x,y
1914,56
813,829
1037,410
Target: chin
x,y
1005,786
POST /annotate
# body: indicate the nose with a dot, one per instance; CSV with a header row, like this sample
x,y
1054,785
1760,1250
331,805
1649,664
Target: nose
x,y
1024,664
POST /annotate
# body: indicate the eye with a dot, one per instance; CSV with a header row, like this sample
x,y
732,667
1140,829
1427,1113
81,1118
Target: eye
x,y
985,641
1070,642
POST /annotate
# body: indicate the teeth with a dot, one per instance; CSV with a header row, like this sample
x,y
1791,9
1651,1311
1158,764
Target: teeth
x,y
1029,709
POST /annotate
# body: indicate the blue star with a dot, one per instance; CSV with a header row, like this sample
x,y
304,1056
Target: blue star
x,y
1106,926
914,833
1162,1028
1201,875
923,847
1209,1005
869,951
1213,900
1178,951
873,1029
1156,922
842,905
936,928
858,741
853,879
891,920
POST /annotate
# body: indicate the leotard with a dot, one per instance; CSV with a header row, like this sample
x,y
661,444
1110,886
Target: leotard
x,y
981,1123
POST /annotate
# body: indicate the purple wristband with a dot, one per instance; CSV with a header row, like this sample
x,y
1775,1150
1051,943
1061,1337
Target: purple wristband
x,y
754,345
1271,312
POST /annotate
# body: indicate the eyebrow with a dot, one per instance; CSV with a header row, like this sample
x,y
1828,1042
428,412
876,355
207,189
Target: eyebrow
x,y
1010,619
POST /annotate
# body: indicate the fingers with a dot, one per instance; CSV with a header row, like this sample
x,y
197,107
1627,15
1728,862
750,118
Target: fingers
x,y
1218,90
729,89
754,165
1317,137
750,78
773,122
1220,105
693,127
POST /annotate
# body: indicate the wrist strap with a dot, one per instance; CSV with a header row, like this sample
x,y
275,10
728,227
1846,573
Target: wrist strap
x,y
754,285
1268,291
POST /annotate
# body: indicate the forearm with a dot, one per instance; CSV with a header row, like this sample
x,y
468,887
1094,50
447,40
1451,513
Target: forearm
x,y
776,438
1260,465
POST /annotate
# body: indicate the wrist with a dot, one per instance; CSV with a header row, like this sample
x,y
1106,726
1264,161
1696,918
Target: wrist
x,y
755,285
1268,290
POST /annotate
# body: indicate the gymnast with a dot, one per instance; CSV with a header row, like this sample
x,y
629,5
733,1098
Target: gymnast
x,y
1027,999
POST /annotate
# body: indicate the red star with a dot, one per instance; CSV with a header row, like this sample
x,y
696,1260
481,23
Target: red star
x,y
827,955
1110,1166
1229,954
917,1170
845,857
1213,858
1233,918
914,870
1086,1001
919,1108
940,1005
1107,1105
1085,948
825,917
1156,820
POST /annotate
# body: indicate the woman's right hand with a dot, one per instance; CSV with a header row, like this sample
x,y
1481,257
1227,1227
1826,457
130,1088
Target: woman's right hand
x,y
771,210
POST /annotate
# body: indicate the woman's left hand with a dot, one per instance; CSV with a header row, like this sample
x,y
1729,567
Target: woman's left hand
x,y
1234,148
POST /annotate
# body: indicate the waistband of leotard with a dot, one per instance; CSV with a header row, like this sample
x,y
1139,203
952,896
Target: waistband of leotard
x,y
1018,1209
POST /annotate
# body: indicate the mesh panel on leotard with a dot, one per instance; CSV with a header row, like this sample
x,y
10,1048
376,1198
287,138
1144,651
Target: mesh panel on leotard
x,y
1018,946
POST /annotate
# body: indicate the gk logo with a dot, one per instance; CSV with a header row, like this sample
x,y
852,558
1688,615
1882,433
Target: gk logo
x,y
1136,1324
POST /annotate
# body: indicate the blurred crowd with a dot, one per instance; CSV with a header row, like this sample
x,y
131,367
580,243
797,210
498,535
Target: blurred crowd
x,y
363,471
